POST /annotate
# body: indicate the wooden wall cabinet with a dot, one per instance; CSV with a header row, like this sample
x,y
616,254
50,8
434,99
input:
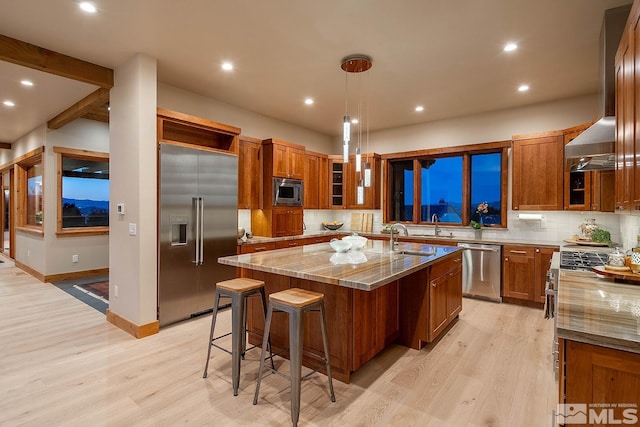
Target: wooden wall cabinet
x,y
524,270
539,159
316,181
627,175
283,159
344,181
277,222
249,173
592,374
184,129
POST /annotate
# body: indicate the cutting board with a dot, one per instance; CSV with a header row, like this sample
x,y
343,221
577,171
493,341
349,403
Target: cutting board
x,y
362,222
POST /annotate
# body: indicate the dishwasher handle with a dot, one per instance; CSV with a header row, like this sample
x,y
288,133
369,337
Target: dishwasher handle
x,y
471,248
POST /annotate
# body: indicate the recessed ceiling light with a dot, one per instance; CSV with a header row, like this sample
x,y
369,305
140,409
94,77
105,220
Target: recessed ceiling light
x,y
308,101
26,83
88,7
227,66
523,88
510,47
419,108
355,121
9,103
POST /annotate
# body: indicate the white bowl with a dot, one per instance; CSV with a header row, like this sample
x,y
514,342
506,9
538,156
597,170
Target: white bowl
x,y
340,245
357,242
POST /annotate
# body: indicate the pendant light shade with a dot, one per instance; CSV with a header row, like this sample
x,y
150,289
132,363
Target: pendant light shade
x,y
356,64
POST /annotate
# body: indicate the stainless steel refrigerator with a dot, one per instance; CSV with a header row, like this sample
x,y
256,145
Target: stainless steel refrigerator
x,y
198,223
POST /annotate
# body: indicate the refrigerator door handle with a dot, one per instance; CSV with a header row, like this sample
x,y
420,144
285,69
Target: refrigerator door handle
x,y
196,258
201,231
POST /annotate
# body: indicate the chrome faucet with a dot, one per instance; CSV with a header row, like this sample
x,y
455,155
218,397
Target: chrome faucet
x,y
434,219
393,227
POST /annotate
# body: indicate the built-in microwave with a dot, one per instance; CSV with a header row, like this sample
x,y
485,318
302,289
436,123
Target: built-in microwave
x,y
287,192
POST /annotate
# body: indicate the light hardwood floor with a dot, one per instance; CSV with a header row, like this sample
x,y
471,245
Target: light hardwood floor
x,y
61,363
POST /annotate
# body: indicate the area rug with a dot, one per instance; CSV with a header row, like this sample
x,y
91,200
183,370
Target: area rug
x,y
99,290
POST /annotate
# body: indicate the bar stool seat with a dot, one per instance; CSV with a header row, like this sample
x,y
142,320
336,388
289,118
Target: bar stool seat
x,y
238,289
295,302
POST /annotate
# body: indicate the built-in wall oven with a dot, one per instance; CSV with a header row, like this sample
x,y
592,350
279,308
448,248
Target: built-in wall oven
x,y
287,192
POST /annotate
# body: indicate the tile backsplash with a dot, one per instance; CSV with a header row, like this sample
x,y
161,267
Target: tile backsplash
x,y
553,228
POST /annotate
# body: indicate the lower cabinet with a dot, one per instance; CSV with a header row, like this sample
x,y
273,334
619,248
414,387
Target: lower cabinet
x,y
249,248
445,295
430,300
605,380
524,270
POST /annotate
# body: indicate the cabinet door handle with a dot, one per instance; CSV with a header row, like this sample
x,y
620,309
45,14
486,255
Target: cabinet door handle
x,y
506,259
537,250
518,252
261,248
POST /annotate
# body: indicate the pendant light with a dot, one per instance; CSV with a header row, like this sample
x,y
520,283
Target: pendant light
x,y
355,64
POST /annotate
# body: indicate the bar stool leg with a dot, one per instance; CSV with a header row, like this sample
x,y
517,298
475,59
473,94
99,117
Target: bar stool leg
x,y
265,340
237,346
296,328
264,313
216,300
325,341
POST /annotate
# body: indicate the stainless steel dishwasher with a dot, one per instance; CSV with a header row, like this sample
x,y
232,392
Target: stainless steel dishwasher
x,y
481,271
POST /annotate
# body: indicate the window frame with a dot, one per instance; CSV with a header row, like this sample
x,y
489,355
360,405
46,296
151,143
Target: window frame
x,y
466,151
21,166
62,152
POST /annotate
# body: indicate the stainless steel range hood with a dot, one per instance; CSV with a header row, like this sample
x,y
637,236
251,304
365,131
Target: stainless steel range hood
x,y
595,148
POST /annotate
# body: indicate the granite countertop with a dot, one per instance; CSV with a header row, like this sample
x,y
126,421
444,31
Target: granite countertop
x,y
501,241
598,311
374,266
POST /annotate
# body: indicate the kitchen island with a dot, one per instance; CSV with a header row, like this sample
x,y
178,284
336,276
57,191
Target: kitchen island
x,y
598,327
373,297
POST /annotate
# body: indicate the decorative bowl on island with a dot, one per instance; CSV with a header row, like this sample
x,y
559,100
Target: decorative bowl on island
x,y
332,225
340,246
357,242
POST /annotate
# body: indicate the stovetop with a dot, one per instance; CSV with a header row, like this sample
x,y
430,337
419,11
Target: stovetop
x,y
579,260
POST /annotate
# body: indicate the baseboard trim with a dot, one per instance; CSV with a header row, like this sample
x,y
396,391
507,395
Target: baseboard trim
x,y
77,274
62,276
138,331
30,270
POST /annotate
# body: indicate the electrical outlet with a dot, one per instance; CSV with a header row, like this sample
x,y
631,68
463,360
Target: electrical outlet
x,y
115,291
74,258
28,252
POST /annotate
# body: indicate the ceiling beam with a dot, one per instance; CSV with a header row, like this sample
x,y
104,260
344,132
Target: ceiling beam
x,y
32,56
5,145
80,108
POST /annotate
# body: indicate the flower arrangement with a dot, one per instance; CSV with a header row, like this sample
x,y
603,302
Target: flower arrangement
x,y
483,208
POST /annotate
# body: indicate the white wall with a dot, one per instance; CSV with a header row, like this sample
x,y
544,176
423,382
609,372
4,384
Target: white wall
x,y
92,251
252,124
488,127
30,249
133,172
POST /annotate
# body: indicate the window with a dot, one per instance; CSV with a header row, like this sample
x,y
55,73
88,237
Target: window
x,y
486,186
29,171
448,186
83,189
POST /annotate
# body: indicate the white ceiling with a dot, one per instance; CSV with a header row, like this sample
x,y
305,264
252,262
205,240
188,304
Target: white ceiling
x,y
445,55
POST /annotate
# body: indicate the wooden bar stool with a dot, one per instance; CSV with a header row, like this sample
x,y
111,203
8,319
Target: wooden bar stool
x,y
238,290
295,302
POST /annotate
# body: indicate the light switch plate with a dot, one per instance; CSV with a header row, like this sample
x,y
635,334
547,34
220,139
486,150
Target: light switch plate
x,y
120,208
132,229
